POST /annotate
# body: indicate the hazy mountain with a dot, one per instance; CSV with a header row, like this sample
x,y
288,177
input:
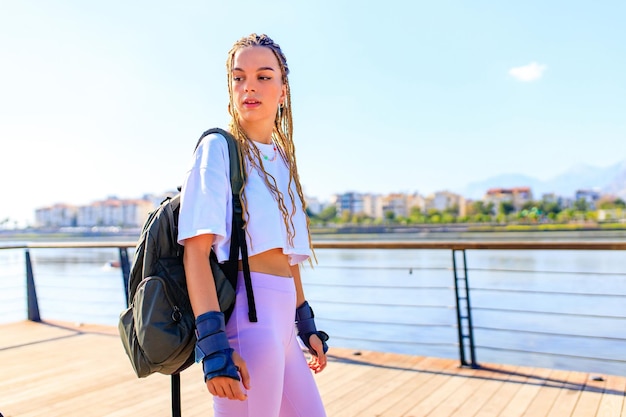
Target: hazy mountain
x,y
476,190
617,185
610,179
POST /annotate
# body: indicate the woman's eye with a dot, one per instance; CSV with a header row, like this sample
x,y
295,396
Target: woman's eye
x,y
237,78
265,78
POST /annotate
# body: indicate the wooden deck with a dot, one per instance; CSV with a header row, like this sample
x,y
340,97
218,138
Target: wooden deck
x,y
55,370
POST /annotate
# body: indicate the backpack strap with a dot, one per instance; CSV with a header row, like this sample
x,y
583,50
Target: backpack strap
x,y
238,234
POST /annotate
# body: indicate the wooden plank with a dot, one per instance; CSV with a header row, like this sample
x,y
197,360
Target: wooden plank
x,y
569,395
445,394
589,401
525,395
612,402
346,382
509,386
378,386
433,380
485,385
410,388
546,397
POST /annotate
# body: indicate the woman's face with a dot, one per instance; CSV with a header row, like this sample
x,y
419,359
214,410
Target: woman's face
x,y
257,85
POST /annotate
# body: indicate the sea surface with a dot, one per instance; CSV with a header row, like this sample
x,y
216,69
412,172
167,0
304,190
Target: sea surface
x,y
558,309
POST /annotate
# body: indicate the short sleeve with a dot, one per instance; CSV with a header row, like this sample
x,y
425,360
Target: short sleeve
x,y
205,202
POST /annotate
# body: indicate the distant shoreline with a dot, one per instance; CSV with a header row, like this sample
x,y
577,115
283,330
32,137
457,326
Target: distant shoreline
x,y
413,232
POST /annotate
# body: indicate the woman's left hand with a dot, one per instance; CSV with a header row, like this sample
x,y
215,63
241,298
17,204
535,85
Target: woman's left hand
x,y
317,363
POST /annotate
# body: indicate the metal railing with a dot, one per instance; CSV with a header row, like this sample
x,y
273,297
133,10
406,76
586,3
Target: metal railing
x,y
469,311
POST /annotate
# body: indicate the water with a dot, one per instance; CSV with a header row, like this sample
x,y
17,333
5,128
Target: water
x,y
395,300
588,286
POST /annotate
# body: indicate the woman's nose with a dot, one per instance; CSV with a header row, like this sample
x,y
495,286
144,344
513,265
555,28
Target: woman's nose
x,y
249,86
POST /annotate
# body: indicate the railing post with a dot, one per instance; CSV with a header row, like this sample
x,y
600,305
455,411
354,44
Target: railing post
x,y
464,312
31,292
125,267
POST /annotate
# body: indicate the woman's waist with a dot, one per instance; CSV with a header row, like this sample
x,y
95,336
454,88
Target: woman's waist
x,y
273,262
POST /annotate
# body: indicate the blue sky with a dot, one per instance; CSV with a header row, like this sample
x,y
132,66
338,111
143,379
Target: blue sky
x,y
108,98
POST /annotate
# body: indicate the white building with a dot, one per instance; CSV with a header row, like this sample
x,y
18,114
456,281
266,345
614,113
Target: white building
x,y
111,212
314,205
373,205
443,200
59,215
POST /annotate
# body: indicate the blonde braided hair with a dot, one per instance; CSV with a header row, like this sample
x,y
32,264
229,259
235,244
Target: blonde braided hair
x,y
282,135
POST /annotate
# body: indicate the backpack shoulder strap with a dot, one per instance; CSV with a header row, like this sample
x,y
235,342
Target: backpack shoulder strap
x,y
236,175
238,235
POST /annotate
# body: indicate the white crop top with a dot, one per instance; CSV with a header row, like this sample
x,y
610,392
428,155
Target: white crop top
x,y
206,203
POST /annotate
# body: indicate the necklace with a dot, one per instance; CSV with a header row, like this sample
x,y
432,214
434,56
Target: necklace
x,y
267,158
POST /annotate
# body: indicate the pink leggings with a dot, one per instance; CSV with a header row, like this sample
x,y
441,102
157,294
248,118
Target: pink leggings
x,y
281,383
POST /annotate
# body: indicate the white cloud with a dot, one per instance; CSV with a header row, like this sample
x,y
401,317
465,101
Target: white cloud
x,y
527,73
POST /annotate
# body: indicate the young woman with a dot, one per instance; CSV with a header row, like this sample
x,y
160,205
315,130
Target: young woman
x,y
253,368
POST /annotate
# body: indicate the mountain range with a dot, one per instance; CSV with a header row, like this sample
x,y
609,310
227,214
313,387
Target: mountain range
x,y
607,180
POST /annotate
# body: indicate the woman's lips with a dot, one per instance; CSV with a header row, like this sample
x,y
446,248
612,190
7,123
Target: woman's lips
x,y
251,103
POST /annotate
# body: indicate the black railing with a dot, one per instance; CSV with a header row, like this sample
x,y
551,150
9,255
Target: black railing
x,y
462,316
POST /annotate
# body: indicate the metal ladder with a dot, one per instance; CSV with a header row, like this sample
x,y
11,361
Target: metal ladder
x,y
463,310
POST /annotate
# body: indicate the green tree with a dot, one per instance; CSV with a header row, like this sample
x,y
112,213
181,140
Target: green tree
x,y
435,218
581,205
479,207
452,210
553,208
328,214
448,218
506,208
416,216
565,216
360,218
480,212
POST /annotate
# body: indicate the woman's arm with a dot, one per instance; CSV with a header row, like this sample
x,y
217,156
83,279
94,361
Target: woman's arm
x,y
316,363
200,283
295,273
203,298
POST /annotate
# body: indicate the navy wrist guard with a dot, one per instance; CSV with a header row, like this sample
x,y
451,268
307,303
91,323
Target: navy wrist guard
x,y
212,347
306,327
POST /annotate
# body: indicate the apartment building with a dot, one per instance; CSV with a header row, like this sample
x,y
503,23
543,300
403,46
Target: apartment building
x,y
110,212
351,202
372,205
401,204
518,196
376,205
443,200
589,196
58,215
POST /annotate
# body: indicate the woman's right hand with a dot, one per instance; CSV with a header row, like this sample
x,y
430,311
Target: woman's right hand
x,y
225,387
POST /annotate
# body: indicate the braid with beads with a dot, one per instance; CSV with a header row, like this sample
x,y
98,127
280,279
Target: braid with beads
x,y
282,136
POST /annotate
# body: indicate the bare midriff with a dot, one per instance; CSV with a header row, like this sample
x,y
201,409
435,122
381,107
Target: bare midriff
x,y
273,262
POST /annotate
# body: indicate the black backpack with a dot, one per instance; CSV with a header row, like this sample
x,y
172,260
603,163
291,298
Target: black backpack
x,y
158,327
